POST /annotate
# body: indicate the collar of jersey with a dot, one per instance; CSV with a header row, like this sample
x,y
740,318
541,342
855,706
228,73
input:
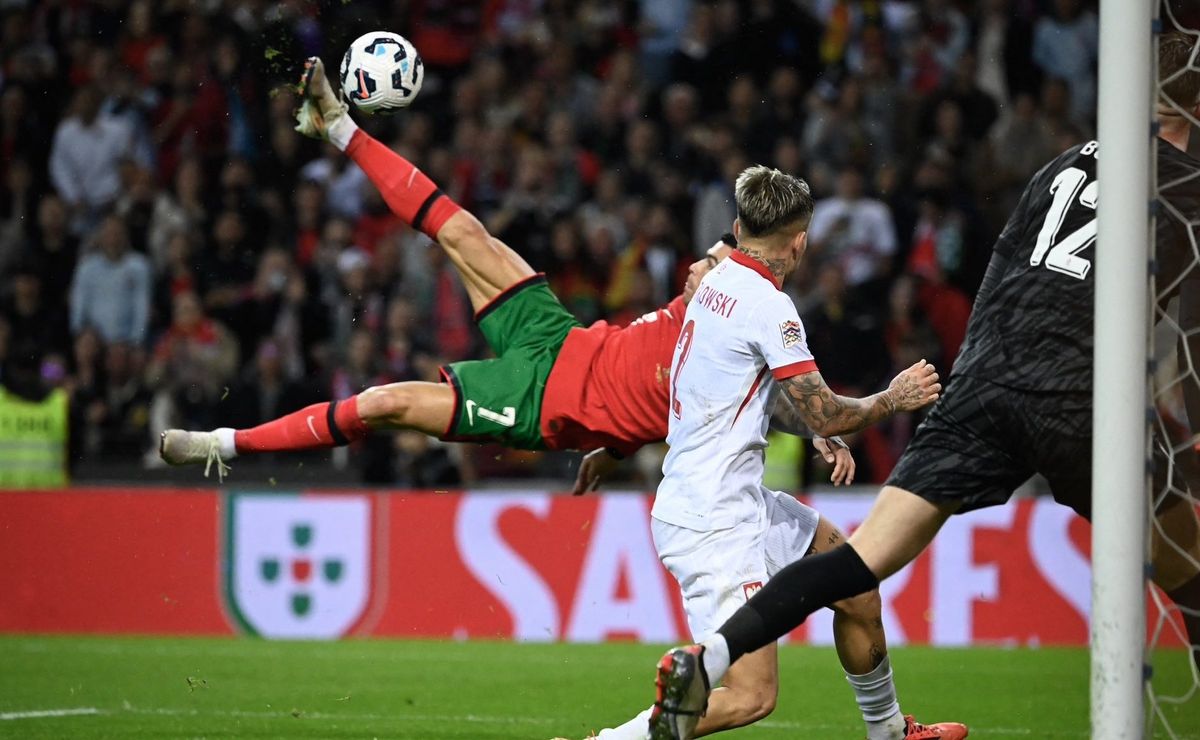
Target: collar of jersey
x,y
747,261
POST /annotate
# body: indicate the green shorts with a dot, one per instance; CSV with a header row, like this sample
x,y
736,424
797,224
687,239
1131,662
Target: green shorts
x,y
501,399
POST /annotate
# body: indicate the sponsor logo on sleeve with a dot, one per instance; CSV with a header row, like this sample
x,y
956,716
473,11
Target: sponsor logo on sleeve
x,y
792,333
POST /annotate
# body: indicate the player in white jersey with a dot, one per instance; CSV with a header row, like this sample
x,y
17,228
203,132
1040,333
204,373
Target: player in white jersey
x,y
719,531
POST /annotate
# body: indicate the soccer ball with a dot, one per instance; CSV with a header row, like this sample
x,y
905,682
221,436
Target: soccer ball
x,y
381,72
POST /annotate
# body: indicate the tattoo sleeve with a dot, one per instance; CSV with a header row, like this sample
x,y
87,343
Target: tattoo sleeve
x,y
785,418
826,413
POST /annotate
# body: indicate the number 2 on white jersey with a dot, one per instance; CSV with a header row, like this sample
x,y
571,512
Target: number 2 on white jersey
x,y
685,344
1064,255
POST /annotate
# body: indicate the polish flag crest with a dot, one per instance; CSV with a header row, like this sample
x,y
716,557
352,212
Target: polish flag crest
x,y
751,588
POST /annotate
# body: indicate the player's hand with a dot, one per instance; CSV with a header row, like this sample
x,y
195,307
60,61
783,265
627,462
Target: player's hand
x,y
837,453
915,388
595,466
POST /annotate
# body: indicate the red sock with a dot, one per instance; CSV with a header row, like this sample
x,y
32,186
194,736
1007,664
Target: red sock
x,y
409,193
318,426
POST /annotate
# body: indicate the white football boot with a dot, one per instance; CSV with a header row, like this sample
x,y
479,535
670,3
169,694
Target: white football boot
x,y
320,108
179,447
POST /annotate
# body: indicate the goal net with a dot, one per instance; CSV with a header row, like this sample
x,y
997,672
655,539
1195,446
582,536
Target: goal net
x,y
1173,688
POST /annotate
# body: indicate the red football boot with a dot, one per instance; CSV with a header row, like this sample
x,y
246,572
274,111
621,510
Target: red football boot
x,y
914,730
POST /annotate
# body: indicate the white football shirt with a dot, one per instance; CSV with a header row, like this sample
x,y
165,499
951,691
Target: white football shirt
x,y
740,335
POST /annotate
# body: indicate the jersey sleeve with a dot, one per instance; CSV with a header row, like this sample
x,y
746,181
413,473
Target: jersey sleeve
x,y
778,336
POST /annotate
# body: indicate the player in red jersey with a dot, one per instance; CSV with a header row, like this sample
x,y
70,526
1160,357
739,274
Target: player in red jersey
x,y
554,384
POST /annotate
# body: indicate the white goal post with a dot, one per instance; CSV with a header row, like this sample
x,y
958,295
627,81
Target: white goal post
x,y
1120,391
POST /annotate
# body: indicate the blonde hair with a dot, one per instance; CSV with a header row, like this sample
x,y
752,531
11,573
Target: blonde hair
x,y
768,200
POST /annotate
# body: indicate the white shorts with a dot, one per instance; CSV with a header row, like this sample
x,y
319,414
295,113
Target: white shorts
x,y
718,571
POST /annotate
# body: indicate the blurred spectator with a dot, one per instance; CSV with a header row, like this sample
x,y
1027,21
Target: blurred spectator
x,y
1066,46
1004,48
942,35
17,201
715,209
136,205
180,209
190,116
977,110
417,461
360,368
661,24
845,338
653,254
448,309
264,391
229,268
53,248
117,420
304,226
258,307
1018,145
406,350
191,368
524,217
85,159
20,135
111,288
342,179
175,275
573,278
34,318
854,230
359,305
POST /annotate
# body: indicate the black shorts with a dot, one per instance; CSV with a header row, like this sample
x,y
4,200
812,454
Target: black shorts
x,y
981,441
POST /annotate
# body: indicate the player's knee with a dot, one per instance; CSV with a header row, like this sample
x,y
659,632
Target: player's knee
x,y
386,404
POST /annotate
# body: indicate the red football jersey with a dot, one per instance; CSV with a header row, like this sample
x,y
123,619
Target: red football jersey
x,y
610,385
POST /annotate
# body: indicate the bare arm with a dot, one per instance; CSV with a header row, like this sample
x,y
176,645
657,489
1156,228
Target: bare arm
x,y
828,414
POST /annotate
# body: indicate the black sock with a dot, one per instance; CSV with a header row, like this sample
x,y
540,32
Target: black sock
x,y
1187,596
795,592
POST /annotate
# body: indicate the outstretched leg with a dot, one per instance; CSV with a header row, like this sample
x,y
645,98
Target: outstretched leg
x,y
487,265
422,407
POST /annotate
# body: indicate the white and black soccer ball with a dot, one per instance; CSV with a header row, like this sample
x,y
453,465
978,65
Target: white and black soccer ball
x,y
381,72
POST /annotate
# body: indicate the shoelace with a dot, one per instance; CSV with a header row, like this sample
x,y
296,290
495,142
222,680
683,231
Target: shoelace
x,y
214,455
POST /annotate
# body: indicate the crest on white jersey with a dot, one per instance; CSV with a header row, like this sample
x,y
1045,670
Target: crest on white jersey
x,y
791,332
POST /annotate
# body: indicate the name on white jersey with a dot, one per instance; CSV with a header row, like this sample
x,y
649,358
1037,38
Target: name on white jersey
x,y
719,303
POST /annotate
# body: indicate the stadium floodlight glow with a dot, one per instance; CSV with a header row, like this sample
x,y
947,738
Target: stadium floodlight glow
x,y
1120,391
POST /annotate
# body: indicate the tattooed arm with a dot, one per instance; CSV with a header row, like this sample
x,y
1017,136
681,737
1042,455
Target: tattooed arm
x,y
785,418
827,414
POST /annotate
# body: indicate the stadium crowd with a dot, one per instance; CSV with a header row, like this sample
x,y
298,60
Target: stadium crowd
x,y
172,253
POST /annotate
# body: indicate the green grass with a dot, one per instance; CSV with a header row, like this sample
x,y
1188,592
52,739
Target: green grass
x,y
166,688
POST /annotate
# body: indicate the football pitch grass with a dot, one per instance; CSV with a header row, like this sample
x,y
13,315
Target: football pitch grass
x,y
57,687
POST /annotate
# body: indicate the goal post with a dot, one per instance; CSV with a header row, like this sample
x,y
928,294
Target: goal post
x,y
1120,391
